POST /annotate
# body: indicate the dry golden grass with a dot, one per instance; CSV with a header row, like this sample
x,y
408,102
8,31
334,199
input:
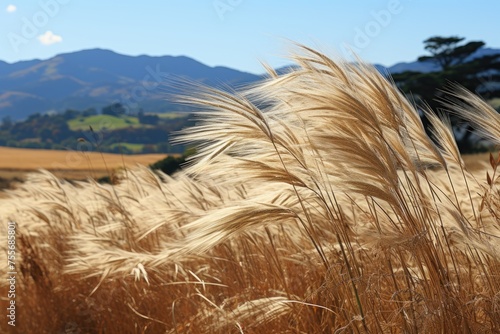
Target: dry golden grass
x,y
476,162
316,204
31,159
16,163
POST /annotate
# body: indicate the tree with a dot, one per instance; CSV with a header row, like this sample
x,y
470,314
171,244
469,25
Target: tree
x,y
45,134
457,67
115,109
150,119
148,148
461,53
6,123
70,114
171,164
447,52
89,112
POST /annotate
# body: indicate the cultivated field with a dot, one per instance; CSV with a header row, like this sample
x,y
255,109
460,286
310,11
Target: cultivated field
x,y
17,162
329,210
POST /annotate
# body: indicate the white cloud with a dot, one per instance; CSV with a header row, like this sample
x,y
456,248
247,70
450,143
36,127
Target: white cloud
x,y
11,9
49,38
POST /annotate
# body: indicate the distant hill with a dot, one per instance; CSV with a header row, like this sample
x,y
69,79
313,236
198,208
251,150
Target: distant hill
x,y
94,78
97,77
429,66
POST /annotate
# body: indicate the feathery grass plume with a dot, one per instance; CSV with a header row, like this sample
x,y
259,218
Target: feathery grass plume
x,y
316,203
473,109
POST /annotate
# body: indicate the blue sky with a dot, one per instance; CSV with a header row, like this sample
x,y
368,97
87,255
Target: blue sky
x,y
240,33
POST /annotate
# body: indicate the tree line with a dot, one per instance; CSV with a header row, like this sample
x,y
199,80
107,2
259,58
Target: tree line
x,y
53,132
457,65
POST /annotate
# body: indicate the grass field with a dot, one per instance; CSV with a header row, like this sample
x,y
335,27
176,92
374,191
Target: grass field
x,y
476,162
98,122
316,203
16,162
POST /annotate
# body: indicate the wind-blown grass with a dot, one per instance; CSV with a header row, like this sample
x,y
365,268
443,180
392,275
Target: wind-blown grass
x,y
316,203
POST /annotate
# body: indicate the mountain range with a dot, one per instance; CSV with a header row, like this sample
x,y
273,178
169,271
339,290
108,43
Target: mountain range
x,y
97,77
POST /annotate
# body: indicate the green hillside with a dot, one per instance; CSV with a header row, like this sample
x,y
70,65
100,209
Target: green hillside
x,y
98,122
135,148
